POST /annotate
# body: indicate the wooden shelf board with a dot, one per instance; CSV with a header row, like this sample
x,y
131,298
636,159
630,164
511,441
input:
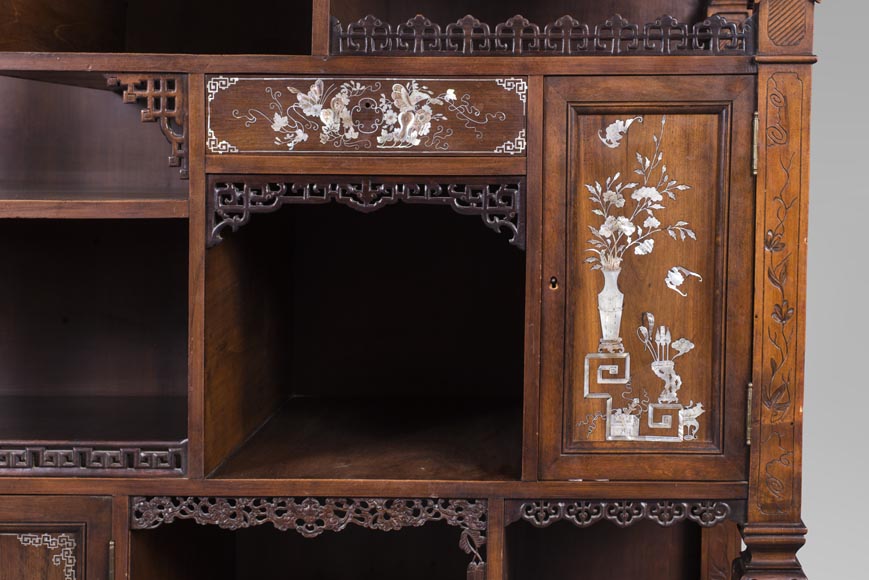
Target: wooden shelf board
x,y
590,490
56,203
55,420
424,439
387,65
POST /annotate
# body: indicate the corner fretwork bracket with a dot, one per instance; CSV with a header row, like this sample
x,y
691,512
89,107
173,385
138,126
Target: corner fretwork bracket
x,y
164,100
234,199
310,516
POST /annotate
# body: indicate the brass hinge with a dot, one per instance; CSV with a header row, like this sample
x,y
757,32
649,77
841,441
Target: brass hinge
x,y
111,560
748,414
755,146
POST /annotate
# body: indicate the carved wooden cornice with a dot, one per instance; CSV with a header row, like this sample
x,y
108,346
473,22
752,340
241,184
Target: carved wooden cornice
x,y
544,513
164,102
310,517
565,36
234,199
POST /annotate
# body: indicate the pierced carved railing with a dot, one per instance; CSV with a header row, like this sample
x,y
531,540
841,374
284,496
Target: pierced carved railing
x,y
565,36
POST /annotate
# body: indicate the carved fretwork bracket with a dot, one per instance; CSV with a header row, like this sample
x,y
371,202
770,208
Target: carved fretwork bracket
x,y
623,513
234,199
310,517
164,101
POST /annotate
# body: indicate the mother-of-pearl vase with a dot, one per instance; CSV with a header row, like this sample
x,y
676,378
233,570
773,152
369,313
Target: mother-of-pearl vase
x,y
610,303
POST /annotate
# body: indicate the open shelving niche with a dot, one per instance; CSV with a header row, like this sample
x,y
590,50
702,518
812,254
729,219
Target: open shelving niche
x,y
75,149
93,347
306,375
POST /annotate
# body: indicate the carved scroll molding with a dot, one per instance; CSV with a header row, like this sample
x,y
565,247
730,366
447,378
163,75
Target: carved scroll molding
x,y
164,103
62,548
86,459
780,295
544,513
565,36
310,517
234,199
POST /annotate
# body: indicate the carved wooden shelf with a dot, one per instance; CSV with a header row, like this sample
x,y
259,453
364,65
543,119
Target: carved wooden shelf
x,y
55,204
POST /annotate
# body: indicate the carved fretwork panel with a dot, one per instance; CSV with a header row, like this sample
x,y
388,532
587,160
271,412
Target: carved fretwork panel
x,y
84,459
234,199
164,103
310,517
565,36
780,293
544,513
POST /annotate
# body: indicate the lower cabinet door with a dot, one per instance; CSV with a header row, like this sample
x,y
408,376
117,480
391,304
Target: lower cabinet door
x,y
649,201
54,538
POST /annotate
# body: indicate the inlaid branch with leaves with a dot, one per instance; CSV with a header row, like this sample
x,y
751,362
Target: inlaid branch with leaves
x,y
623,229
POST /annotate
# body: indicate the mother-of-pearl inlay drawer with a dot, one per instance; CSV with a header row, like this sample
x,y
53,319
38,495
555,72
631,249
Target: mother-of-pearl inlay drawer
x,y
291,115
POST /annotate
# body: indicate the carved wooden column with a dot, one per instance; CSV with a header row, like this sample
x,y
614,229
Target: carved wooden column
x,y
774,530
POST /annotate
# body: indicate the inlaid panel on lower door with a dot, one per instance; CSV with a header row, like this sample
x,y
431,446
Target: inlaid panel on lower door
x,y
654,211
54,538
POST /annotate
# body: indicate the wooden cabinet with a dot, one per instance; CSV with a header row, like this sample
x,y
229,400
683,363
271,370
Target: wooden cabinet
x,y
525,291
55,538
649,251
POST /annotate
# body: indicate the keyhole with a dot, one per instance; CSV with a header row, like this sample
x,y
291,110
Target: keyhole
x,y
553,283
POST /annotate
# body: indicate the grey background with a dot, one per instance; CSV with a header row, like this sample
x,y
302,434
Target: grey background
x,y
837,358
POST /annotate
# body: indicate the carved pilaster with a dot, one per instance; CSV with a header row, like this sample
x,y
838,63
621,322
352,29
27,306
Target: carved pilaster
x,y
782,209
164,103
785,26
310,517
774,530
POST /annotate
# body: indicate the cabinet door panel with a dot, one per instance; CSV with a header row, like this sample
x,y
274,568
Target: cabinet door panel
x,y
48,538
648,193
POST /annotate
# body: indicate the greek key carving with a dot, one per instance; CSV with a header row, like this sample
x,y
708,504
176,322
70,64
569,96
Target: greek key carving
x,y
70,459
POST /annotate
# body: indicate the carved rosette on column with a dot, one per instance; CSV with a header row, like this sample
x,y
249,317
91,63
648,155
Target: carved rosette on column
x,y
310,517
164,103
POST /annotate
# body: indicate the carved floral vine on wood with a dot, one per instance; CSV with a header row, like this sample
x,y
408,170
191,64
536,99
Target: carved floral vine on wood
x,y
406,115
